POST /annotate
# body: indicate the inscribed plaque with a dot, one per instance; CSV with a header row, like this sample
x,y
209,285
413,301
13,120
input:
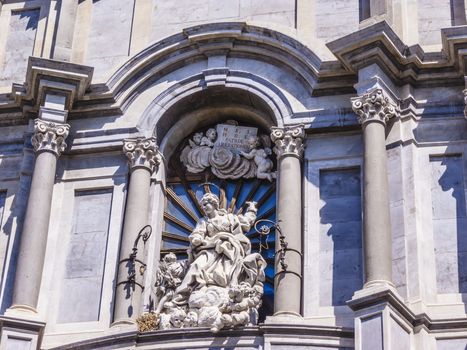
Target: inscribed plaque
x,y
234,138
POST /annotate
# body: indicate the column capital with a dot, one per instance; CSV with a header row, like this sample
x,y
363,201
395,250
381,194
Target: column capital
x,y
49,136
288,140
142,153
373,106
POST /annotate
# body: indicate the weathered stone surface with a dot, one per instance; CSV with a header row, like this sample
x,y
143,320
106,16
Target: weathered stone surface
x,y
85,261
21,37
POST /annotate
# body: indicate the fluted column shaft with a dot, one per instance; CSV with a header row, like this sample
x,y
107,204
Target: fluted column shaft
x,y
48,142
373,110
288,278
144,158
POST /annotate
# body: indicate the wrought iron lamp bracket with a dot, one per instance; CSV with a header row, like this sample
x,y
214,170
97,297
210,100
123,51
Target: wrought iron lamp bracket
x,y
144,235
265,229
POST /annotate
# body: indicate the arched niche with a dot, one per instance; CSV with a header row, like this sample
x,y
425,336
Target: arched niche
x,y
174,126
208,107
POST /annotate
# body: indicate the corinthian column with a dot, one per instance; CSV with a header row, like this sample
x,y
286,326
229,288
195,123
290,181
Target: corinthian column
x,y
48,142
374,110
288,278
144,158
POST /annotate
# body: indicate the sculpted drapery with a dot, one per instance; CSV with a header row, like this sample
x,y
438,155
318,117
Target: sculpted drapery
x,y
221,283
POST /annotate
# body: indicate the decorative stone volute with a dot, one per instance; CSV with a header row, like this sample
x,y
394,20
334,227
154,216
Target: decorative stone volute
x,y
49,136
373,106
142,152
288,140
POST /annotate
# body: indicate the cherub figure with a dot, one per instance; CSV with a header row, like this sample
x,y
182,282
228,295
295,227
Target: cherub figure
x,y
191,319
196,141
210,137
260,157
169,277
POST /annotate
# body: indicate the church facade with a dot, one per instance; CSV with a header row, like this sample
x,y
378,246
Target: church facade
x,y
242,174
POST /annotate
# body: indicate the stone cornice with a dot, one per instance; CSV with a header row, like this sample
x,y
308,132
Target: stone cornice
x,y
375,44
403,64
142,153
49,137
44,76
373,106
288,141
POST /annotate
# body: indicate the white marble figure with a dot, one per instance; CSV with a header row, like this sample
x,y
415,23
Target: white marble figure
x,y
260,156
223,283
202,153
168,278
210,138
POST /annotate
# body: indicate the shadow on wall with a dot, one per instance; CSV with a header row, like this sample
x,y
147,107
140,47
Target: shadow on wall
x,y
449,223
340,234
340,238
15,217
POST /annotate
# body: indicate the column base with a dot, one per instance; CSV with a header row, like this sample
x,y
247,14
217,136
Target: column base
x,y
286,314
20,333
127,323
285,318
22,312
374,287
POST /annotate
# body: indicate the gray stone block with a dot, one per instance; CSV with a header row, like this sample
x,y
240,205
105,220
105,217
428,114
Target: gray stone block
x,y
19,46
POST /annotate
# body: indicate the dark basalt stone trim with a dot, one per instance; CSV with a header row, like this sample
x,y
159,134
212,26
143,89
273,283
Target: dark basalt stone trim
x,y
255,333
389,297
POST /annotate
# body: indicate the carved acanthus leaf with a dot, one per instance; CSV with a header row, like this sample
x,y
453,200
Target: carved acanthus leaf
x,y
142,152
373,106
49,136
288,141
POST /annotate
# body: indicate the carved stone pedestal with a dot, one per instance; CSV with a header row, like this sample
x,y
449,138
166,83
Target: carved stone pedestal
x,y
382,322
21,333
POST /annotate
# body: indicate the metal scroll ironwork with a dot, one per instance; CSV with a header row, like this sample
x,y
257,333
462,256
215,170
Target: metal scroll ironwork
x,y
264,230
144,235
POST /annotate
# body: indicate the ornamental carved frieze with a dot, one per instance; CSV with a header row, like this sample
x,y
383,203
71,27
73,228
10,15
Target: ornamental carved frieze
x,y
230,152
288,141
142,152
373,106
49,136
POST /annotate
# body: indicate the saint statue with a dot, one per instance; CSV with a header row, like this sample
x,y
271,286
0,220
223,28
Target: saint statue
x,y
221,284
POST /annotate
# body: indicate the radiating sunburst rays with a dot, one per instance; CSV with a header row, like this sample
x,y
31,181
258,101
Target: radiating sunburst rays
x,y
183,211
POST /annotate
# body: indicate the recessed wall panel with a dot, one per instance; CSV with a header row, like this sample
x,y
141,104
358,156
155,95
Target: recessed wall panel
x,y
85,261
340,235
449,223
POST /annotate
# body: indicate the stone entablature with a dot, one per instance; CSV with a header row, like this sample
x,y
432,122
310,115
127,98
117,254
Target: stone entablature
x,y
49,137
142,152
373,106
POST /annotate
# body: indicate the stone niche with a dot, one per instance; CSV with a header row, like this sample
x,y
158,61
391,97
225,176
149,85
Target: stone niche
x,y
221,181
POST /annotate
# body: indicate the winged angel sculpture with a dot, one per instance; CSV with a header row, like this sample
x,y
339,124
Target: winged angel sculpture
x,y
221,283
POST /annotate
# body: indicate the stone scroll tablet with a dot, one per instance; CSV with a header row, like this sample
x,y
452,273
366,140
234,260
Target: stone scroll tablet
x,y
234,138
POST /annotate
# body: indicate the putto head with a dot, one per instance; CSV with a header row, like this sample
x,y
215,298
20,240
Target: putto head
x,y
197,137
211,134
